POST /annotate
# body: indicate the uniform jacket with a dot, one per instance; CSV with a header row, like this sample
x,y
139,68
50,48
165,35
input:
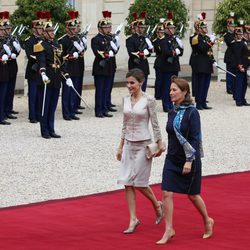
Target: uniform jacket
x,y
50,61
4,69
193,40
228,38
240,54
31,71
135,44
203,53
136,119
100,45
72,65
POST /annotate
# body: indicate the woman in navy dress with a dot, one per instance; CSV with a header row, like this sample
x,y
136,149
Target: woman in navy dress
x,y
182,168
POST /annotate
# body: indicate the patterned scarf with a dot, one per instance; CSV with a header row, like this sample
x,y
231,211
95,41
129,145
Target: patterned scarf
x,y
188,149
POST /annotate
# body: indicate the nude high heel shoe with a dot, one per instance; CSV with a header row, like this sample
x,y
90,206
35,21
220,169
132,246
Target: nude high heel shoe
x,y
209,229
159,213
166,237
132,228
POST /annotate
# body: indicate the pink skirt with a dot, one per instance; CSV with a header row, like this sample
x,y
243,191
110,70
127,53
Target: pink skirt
x,y
135,167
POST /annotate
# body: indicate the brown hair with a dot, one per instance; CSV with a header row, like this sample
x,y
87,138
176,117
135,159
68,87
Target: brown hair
x,y
138,74
184,86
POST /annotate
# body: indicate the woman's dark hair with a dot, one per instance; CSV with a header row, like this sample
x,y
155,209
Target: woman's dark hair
x,y
184,86
138,74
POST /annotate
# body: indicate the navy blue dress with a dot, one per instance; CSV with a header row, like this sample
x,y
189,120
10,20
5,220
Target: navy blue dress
x,y
172,178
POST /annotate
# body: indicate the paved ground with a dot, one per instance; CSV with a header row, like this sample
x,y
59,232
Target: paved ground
x,y
83,160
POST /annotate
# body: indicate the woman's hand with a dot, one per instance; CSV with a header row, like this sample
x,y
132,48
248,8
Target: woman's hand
x,y
187,167
119,154
161,148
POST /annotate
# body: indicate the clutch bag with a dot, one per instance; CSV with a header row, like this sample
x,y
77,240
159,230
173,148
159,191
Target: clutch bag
x,y
152,149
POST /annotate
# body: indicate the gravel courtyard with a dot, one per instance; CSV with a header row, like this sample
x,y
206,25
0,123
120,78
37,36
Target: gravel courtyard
x,y
83,161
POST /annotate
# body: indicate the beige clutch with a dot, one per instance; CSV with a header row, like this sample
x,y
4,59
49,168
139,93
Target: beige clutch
x,y
152,149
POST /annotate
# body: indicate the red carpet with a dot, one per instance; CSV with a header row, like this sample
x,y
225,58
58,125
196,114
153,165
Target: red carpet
x,y
96,221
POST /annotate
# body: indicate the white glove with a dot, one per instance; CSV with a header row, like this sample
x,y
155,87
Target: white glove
x,y
13,56
177,51
215,64
146,52
117,41
17,46
75,55
212,37
84,40
69,82
78,46
7,49
150,45
45,78
5,58
114,47
178,40
111,53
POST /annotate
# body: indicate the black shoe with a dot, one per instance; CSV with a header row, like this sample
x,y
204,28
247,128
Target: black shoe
x,y
206,107
230,92
107,115
78,112
113,105
33,121
10,116
67,118
99,115
246,104
199,107
166,110
81,107
5,123
54,135
14,112
75,117
239,104
112,109
46,136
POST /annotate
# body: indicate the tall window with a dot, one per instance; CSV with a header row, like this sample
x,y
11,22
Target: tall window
x,y
71,3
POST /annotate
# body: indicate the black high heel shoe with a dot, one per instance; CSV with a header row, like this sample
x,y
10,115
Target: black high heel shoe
x,y
131,229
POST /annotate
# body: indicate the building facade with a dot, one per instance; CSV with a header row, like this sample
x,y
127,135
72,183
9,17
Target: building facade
x,y
119,9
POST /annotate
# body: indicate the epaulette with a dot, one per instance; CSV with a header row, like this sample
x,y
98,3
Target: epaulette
x,y
27,38
195,40
154,39
38,47
61,37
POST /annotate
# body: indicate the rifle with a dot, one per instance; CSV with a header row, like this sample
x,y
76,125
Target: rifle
x,y
143,45
85,32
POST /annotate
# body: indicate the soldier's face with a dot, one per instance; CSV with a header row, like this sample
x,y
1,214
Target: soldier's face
x,y
105,30
230,28
1,32
141,29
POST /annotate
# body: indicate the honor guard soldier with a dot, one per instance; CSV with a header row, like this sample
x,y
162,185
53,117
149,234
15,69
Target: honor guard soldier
x,y
240,55
15,49
160,35
228,59
246,37
5,52
72,48
171,50
115,45
193,43
51,68
139,47
103,68
31,73
203,64
83,41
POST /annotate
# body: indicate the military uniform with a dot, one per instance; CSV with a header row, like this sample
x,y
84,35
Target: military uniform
x,y
240,64
135,45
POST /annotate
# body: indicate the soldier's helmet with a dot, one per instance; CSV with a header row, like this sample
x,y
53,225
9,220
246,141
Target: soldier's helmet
x,y
160,25
135,19
48,25
4,20
169,23
231,20
141,21
73,21
105,22
202,20
247,28
38,23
